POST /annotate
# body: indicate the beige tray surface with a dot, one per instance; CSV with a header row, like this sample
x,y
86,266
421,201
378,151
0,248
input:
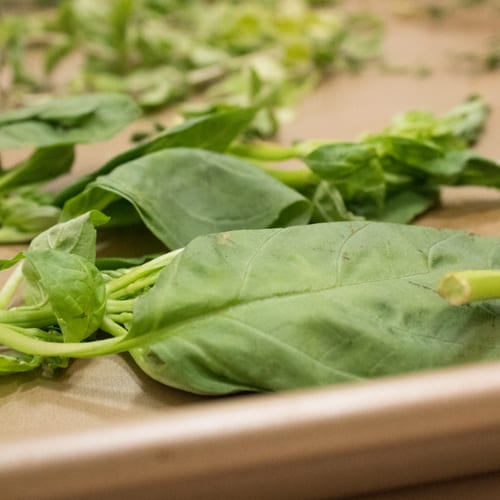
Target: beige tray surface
x,y
104,426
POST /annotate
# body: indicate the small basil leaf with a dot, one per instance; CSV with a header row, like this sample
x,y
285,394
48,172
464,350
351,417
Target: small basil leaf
x,y
479,171
42,165
403,206
16,362
355,171
72,286
25,215
8,263
468,118
67,120
329,205
76,236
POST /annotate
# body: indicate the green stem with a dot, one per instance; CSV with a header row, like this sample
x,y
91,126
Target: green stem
x,y
297,178
270,151
12,337
28,318
139,272
110,326
122,318
119,306
466,286
259,152
11,285
265,151
137,286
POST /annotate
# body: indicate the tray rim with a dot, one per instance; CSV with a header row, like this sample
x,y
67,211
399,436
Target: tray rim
x,y
266,431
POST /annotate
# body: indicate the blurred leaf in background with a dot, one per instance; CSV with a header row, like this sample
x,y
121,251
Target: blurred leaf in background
x,y
266,53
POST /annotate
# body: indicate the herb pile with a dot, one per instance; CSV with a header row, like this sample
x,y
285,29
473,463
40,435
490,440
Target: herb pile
x,y
266,307
266,53
201,177
270,278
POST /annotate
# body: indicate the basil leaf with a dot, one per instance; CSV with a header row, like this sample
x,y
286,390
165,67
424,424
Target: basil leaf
x,y
403,206
183,193
113,263
76,236
313,305
16,362
12,361
457,129
73,287
25,216
67,120
329,205
8,263
468,118
410,154
214,131
355,171
42,165
479,171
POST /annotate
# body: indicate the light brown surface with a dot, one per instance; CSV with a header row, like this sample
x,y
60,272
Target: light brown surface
x,y
381,445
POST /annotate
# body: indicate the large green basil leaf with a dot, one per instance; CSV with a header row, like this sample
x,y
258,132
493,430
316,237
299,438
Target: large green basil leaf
x,y
313,305
182,193
67,120
214,132
73,287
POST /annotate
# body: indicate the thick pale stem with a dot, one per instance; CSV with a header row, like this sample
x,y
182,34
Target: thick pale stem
x,y
261,152
108,325
462,287
265,151
15,339
269,151
28,317
121,317
119,306
295,178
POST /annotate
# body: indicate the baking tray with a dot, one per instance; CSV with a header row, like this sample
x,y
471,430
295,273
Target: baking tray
x,y
104,429
313,444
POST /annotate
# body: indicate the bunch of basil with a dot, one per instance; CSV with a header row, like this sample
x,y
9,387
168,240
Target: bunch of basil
x,y
197,178
256,306
253,310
